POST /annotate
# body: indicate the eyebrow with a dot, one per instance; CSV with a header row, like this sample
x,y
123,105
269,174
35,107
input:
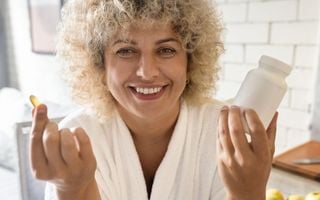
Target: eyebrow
x,y
124,41
158,42
167,40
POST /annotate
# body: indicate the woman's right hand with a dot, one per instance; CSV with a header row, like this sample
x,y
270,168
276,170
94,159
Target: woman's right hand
x,y
62,157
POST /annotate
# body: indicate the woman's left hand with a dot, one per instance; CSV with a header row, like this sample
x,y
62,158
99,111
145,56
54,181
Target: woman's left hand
x,y
244,166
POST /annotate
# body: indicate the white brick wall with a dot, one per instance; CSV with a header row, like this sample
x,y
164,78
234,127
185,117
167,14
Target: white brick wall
x,y
286,29
285,103
234,12
309,9
306,56
299,99
283,52
291,118
236,72
300,79
273,11
295,33
235,53
247,33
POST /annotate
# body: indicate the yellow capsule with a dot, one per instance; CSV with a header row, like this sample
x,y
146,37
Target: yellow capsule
x,y
34,100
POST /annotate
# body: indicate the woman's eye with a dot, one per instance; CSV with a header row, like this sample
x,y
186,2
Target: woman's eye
x,y
126,53
167,52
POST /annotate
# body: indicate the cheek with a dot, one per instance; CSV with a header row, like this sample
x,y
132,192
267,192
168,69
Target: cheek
x,y
117,75
180,72
113,77
178,75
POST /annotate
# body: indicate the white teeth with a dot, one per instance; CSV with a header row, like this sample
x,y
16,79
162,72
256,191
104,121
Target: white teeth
x,y
148,90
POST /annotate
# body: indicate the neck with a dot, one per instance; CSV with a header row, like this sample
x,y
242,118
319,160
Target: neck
x,y
151,131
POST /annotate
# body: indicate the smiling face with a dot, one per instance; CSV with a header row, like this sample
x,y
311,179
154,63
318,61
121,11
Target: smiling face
x,y
146,71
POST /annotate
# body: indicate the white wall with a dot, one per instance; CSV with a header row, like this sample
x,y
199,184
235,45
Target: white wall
x,y
36,74
287,30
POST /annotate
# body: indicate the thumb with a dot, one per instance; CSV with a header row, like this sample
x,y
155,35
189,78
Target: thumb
x,y
271,132
40,118
37,154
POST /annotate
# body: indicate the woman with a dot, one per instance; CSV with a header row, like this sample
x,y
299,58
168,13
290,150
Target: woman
x,y
144,72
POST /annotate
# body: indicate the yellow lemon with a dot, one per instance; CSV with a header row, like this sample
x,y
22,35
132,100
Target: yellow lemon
x,y
274,194
313,196
295,197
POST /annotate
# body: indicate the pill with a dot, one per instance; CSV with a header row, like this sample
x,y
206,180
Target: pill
x,y
34,100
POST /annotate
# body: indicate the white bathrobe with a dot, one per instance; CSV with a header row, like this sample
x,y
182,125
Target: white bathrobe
x,y
188,170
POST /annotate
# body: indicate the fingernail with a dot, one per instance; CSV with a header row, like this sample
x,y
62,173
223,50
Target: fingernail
x,y
224,108
41,110
235,106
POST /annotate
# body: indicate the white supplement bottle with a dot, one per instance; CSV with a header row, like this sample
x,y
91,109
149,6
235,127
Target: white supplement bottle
x,y
263,89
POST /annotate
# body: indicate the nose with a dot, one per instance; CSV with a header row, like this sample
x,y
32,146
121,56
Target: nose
x,y
148,68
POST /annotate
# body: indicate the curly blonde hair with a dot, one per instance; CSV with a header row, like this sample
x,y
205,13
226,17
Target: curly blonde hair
x,y
87,26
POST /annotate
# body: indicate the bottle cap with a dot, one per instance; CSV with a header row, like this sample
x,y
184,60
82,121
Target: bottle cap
x,y
272,62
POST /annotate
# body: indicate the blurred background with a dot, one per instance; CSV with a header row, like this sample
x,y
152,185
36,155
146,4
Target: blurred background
x,y
285,29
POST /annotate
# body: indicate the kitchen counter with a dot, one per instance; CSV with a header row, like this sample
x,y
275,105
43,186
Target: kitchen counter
x,y
290,183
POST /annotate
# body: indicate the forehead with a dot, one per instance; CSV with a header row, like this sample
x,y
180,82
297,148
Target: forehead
x,y
145,31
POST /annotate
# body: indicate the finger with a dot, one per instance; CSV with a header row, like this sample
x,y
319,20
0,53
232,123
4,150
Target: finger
x,y
237,133
223,132
69,151
258,134
86,152
218,144
33,111
38,159
51,141
227,171
271,131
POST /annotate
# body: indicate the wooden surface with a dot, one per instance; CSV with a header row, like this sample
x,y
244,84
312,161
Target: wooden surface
x,y
307,150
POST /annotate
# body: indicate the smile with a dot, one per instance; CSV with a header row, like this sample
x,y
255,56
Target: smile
x,y
148,93
148,90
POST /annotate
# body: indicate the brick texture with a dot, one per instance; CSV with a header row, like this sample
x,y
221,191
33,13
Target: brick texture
x,y
288,30
273,11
